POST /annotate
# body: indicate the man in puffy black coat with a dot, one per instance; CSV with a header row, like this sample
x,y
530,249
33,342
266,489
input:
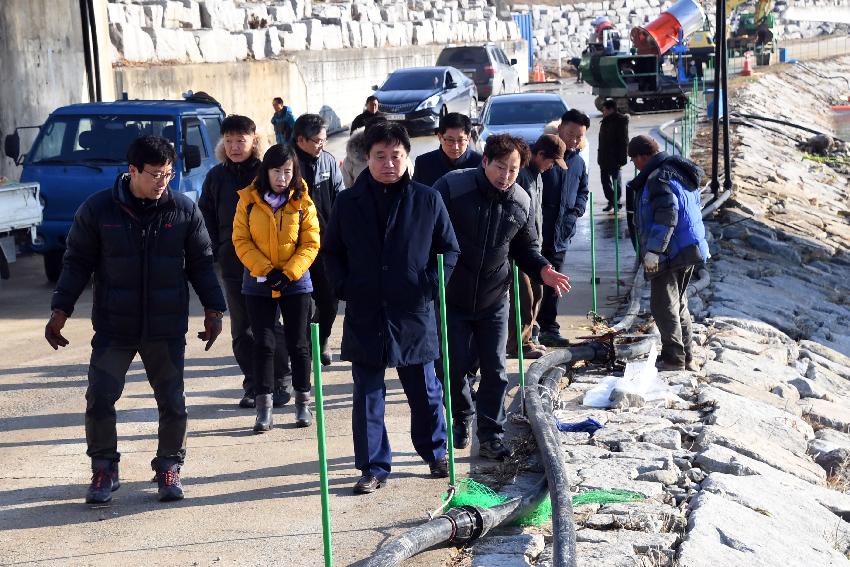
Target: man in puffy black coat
x,y
239,154
494,220
144,244
381,250
611,153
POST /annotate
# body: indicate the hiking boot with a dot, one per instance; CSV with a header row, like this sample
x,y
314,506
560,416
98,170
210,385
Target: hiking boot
x,y
303,415
104,481
168,478
367,484
439,468
265,420
281,395
460,434
554,340
494,450
326,354
247,400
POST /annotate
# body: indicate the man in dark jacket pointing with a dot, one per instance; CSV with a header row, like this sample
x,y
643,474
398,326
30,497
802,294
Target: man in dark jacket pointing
x,y
381,249
144,244
494,219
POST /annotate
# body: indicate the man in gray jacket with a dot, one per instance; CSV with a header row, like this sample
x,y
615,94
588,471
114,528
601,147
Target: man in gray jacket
x,y
546,152
324,180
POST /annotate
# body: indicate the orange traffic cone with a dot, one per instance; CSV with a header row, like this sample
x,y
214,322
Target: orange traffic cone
x,y
747,70
539,75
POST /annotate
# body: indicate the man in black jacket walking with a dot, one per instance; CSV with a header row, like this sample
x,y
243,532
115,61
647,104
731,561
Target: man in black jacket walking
x,y
324,180
493,219
238,152
144,244
382,243
611,154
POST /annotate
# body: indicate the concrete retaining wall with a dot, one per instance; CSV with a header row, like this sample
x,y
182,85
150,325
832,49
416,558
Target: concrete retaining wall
x,y
42,64
333,83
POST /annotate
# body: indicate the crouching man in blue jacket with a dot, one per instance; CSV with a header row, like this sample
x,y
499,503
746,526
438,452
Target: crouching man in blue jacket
x,y
381,247
672,241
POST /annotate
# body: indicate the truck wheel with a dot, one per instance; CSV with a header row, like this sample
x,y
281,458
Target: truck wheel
x,y
53,264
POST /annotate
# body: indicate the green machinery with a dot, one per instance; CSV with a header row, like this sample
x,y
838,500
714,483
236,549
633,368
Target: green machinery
x,y
636,80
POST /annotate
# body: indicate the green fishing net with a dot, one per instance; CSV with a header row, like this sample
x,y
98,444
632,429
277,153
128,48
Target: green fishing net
x,y
472,493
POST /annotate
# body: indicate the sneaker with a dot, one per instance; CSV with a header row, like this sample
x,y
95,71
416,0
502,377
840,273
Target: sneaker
x,y
554,340
168,478
247,400
494,450
367,484
460,434
439,468
104,481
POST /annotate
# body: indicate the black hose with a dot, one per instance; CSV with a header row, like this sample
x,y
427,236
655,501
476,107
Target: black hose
x,y
465,524
784,123
554,462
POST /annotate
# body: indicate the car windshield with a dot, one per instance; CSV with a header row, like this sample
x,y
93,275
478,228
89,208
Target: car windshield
x,y
463,57
425,80
526,112
95,139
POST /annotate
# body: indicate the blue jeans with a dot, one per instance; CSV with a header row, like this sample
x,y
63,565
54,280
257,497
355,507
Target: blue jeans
x,y
372,452
487,332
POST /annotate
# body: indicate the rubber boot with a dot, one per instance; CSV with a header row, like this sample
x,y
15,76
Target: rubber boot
x,y
303,415
264,413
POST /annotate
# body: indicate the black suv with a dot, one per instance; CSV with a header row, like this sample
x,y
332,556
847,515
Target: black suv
x,y
487,65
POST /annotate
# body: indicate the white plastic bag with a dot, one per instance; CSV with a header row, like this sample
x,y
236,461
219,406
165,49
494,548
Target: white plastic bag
x,y
640,377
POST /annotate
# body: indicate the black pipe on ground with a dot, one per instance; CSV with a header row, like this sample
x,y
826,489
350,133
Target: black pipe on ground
x,y
466,524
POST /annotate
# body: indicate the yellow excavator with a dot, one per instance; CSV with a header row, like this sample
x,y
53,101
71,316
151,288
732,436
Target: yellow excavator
x,y
755,30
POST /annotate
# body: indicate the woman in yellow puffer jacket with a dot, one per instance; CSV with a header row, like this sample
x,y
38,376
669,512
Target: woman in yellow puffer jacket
x,y
276,237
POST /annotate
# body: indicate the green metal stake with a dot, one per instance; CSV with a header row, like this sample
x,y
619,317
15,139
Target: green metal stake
x,y
320,434
617,234
592,253
447,380
518,317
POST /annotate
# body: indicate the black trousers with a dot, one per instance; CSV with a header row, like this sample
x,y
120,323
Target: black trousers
x,y
487,331
609,176
547,317
262,311
326,302
110,359
243,339
668,304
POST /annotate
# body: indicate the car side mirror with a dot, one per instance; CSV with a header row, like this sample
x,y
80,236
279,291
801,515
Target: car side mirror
x,y
12,146
191,157
513,61
374,87
450,84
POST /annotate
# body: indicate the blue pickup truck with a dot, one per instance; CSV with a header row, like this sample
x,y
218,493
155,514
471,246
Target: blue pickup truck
x,y
81,148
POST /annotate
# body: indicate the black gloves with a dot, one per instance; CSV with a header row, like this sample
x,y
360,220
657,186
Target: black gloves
x,y
277,280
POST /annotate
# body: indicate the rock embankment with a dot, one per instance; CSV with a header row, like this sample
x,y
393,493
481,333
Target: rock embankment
x,y
752,466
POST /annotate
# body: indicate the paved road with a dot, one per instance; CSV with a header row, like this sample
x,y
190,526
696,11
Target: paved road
x,y
251,500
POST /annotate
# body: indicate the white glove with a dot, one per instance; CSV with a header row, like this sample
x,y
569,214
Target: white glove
x,y
650,262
